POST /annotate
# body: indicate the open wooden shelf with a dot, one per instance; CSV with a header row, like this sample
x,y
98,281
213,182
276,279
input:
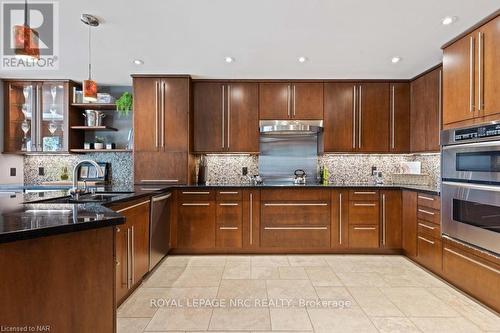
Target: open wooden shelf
x,y
94,128
95,106
85,151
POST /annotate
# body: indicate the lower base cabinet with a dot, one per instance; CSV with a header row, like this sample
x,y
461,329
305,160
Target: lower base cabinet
x,y
364,219
476,273
229,225
196,225
429,253
132,246
365,237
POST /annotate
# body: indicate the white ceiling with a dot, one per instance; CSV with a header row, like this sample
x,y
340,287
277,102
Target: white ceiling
x,y
341,38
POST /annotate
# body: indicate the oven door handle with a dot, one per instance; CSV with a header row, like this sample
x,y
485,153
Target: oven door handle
x,y
473,144
474,186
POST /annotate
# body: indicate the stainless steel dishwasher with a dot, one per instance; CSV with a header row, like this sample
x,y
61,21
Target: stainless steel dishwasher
x,y
159,230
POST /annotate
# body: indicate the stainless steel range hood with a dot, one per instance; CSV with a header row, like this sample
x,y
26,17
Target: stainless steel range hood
x,y
290,127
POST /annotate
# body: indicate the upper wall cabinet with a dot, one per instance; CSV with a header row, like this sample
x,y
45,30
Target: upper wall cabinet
x,y
161,129
425,112
226,117
357,117
399,135
37,116
471,77
285,101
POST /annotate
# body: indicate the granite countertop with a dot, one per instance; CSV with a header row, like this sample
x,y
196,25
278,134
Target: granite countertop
x,y
24,216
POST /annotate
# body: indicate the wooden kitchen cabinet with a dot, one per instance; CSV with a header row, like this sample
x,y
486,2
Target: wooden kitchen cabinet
x,y
471,76
196,223
399,136
229,219
373,117
161,129
291,100
429,247
391,211
340,216
132,246
426,112
409,224
226,117
364,217
251,218
339,127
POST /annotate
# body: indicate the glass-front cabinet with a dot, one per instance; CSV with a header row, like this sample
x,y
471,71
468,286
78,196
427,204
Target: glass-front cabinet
x,y
36,116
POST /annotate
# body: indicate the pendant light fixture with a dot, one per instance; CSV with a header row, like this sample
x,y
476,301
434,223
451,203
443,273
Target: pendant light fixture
x,y
26,39
89,85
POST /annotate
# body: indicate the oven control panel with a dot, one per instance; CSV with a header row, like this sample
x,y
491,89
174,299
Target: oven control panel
x,y
477,132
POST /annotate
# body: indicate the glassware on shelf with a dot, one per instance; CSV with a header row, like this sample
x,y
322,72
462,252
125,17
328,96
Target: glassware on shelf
x,y
26,93
25,110
53,109
53,92
25,126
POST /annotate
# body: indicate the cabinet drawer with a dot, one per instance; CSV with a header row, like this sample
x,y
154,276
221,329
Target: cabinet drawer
x,y
429,252
429,201
295,195
472,274
196,195
429,229
363,195
363,212
228,236
295,213
196,225
228,195
363,236
306,237
429,214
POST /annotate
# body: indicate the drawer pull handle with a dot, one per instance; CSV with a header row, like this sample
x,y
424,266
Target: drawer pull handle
x,y
364,205
426,240
426,212
196,204
426,226
228,228
294,204
133,206
365,193
229,204
229,192
365,228
202,193
425,198
159,180
472,260
295,228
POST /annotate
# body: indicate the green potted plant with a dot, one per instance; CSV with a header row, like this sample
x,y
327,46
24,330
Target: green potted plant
x,y
124,104
99,142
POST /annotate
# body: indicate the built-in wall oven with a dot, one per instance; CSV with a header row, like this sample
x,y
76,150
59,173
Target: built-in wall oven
x,y
470,189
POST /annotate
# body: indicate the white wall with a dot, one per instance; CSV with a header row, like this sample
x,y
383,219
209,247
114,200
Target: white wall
x,y
8,161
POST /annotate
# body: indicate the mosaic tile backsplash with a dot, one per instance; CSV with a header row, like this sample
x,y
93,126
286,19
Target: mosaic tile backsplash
x,y
343,168
121,167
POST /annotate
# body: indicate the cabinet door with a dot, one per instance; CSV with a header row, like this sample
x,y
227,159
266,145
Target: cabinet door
x,y
139,217
251,218
489,69
400,118
340,107
196,225
175,130
307,102
275,101
160,168
364,236
433,117
409,221
458,83
340,211
146,114
373,122
430,253
391,219
209,117
53,117
229,225
243,117
121,261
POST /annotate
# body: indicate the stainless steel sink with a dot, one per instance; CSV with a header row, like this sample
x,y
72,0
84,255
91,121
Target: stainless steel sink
x,y
90,197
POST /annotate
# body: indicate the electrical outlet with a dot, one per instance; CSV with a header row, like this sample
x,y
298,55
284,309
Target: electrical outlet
x,y
13,172
374,169
41,171
244,171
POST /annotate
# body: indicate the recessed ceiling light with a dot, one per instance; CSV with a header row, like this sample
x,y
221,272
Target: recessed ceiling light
x,y
395,60
448,20
302,59
138,62
229,59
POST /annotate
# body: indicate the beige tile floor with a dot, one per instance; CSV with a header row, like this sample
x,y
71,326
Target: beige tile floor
x,y
360,293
